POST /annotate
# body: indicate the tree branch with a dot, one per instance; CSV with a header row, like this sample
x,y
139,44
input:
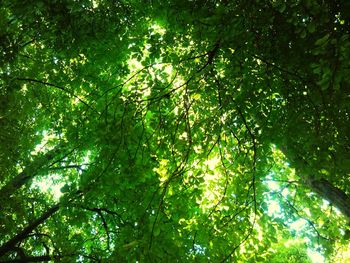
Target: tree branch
x,y
60,88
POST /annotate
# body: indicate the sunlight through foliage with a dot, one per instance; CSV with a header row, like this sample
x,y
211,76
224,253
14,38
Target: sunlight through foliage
x,y
174,131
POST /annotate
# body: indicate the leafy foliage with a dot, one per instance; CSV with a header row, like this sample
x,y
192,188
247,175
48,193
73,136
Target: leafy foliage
x,y
174,131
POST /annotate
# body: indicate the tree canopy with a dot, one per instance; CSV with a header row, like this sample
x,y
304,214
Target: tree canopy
x,y
174,131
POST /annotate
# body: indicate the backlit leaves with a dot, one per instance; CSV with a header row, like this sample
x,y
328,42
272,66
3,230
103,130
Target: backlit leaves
x,y
173,130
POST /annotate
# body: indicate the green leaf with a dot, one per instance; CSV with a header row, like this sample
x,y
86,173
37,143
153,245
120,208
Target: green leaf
x,y
282,7
65,189
311,27
156,231
321,41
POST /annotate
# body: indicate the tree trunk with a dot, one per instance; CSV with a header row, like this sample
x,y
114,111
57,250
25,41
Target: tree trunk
x,y
322,187
30,171
10,245
334,195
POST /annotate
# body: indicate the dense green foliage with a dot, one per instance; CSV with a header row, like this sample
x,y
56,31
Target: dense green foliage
x,y
174,131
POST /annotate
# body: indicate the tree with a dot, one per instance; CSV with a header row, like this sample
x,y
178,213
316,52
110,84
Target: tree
x,y
175,130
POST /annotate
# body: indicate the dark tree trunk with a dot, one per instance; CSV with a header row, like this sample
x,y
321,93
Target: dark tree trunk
x,y
334,195
30,171
10,245
322,187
